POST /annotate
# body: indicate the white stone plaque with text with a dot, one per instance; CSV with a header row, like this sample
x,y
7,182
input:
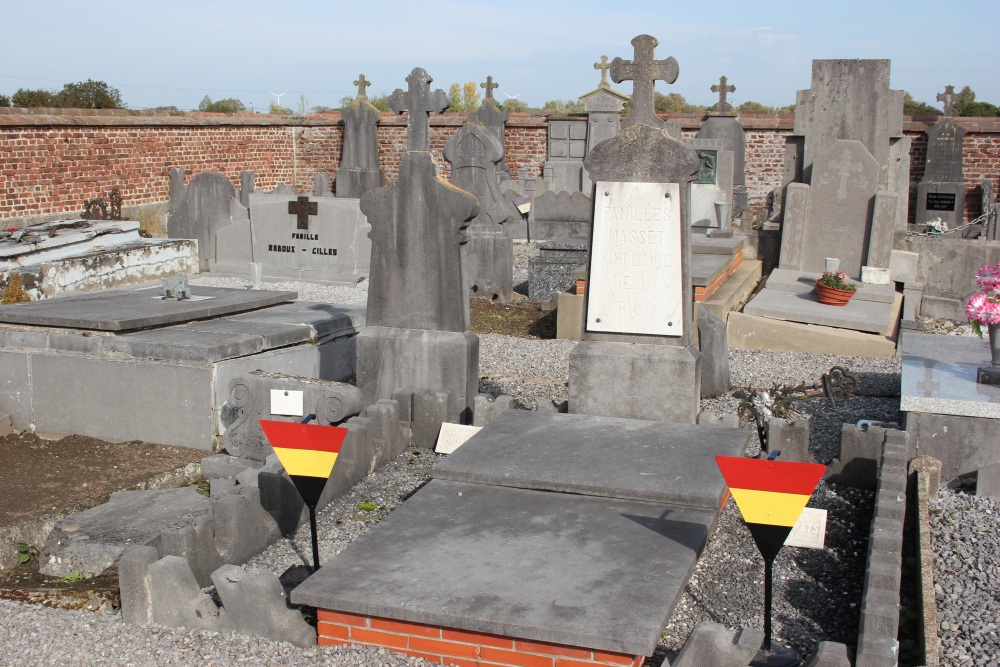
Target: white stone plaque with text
x,y
809,531
636,282
453,436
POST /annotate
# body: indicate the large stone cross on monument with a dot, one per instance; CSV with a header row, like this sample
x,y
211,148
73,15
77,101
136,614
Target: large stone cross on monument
x,y
644,71
722,89
362,83
948,97
489,85
418,102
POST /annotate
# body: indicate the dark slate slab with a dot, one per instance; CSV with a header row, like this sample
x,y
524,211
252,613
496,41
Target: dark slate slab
x,y
594,572
125,310
598,456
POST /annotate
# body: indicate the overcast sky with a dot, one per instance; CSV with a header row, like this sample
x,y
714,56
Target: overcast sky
x,y
174,53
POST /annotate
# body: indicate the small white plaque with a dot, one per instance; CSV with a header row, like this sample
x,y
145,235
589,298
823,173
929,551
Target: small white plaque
x,y
635,267
284,402
809,531
453,436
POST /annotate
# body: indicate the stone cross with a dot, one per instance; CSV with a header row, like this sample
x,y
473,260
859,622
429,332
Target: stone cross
x,y
362,85
418,102
303,208
644,71
489,86
845,166
604,67
948,97
722,89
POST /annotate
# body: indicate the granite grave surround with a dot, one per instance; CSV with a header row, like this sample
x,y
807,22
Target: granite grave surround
x,y
948,414
553,537
129,365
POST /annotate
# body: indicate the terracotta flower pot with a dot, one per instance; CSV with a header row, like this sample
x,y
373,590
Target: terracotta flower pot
x,y
832,296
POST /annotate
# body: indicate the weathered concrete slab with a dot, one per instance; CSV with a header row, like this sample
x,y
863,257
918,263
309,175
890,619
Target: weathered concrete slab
x,y
599,456
325,319
584,571
706,268
713,245
747,332
804,282
870,316
939,376
203,344
125,310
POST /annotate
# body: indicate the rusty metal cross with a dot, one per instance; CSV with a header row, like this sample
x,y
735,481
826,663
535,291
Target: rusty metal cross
x,y
644,71
303,208
722,89
362,83
418,102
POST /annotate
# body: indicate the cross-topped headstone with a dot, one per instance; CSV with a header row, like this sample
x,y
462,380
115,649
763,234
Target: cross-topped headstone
x,y
644,71
722,89
418,102
303,208
362,83
489,86
948,97
603,66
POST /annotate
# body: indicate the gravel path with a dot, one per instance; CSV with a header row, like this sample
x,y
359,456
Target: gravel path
x,y
817,592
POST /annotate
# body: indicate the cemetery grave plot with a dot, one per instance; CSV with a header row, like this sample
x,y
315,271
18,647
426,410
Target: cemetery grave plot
x,y
49,478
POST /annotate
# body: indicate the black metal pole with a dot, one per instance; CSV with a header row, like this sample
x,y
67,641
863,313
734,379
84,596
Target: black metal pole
x,y
315,541
767,603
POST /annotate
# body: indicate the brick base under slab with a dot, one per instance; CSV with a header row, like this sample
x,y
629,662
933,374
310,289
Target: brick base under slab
x,y
457,647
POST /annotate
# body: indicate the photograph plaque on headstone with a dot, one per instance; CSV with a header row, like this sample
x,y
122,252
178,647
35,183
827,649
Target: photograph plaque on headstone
x,y
636,285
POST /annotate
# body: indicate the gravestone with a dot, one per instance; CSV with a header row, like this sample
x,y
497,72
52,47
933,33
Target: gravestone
x,y
604,107
488,256
418,335
722,124
941,192
713,182
359,169
638,302
200,210
322,239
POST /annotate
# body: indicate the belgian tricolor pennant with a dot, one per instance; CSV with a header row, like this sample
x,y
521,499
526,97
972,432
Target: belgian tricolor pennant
x,y
770,495
308,453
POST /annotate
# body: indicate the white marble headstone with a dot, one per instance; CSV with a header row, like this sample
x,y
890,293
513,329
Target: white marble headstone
x,y
636,284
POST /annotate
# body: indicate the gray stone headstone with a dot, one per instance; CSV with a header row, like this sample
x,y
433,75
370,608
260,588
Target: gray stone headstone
x,y
359,169
941,192
567,146
713,183
199,210
330,245
488,256
643,70
729,131
418,101
714,344
321,185
883,228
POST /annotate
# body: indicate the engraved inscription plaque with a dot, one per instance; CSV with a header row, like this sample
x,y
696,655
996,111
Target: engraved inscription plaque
x,y
940,201
635,266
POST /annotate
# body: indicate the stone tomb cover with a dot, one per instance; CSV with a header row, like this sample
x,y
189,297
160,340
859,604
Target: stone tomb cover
x,y
330,245
636,284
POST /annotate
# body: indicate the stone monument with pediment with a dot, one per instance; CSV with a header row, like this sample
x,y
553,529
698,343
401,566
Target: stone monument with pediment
x,y
941,192
359,169
635,358
417,336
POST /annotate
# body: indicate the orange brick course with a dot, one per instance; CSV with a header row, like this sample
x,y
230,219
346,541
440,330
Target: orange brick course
x,y
449,646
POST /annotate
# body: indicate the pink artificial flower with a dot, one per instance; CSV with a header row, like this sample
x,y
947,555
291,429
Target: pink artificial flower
x,y
988,278
983,309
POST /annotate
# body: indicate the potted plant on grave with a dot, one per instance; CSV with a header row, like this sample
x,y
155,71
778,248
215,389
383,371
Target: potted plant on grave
x,y
984,308
834,288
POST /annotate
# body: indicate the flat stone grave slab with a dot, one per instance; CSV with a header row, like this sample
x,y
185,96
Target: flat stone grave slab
x,y
706,268
798,282
130,309
602,573
598,456
939,376
78,234
858,315
707,245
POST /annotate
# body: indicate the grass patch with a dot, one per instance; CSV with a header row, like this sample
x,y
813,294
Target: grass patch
x,y
520,319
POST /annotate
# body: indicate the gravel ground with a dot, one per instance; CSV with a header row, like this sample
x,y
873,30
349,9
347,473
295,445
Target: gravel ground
x,y
966,536
817,592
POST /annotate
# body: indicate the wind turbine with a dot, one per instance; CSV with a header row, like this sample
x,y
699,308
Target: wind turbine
x,y
512,97
278,95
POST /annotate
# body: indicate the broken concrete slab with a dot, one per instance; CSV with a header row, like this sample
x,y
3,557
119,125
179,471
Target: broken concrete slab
x,y
128,309
621,565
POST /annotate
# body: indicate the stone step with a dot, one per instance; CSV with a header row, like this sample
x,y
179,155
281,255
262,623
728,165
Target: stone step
x,y
750,332
736,289
801,282
868,316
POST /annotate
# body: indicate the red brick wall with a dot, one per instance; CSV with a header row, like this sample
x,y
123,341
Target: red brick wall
x,y
457,647
51,160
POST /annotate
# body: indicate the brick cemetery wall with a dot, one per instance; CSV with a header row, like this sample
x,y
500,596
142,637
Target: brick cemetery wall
x,y
51,160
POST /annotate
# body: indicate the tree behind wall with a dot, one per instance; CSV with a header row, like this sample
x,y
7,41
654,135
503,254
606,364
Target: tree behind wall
x,y
87,94
228,105
464,97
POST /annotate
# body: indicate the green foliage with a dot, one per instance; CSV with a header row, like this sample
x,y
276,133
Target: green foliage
x,y
965,104
757,107
277,110
913,108
837,280
464,97
514,105
74,577
324,110
26,552
367,507
33,98
567,107
4,101
89,94
228,105
675,103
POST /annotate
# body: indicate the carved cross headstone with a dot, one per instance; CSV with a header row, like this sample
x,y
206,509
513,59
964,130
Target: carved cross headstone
x,y
418,102
722,89
489,86
303,208
948,97
644,71
604,66
362,83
